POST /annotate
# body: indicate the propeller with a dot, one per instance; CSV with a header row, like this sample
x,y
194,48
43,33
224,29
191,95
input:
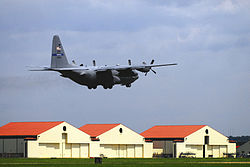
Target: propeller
x,y
94,63
151,63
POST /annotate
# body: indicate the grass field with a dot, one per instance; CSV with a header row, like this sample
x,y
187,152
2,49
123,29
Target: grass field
x,y
160,162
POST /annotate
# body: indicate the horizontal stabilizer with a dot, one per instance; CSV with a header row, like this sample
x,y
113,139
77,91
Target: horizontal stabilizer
x,y
32,68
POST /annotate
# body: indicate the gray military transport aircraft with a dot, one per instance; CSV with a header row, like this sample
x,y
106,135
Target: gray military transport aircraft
x,y
92,76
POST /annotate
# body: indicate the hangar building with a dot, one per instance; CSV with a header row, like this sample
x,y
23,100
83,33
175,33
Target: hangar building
x,y
117,141
244,150
184,140
43,140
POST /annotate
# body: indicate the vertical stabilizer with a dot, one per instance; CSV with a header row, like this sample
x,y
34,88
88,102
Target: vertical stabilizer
x,y
58,57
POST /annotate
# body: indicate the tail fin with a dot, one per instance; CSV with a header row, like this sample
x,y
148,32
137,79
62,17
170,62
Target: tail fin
x,y
58,57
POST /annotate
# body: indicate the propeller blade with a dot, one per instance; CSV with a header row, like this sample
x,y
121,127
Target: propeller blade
x,y
153,71
94,63
152,62
129,62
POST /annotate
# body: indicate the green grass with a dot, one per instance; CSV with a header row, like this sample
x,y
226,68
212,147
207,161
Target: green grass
x,y
159,162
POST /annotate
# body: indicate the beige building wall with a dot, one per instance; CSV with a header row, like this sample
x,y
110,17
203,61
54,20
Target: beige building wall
x,y
94,149
215,138
60,143
218,144
128,144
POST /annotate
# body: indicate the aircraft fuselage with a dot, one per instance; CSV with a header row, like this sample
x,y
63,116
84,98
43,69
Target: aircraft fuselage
x,y
107,79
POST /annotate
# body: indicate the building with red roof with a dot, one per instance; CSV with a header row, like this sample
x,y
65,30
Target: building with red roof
x,y
28,129
43,140
117,141
188,140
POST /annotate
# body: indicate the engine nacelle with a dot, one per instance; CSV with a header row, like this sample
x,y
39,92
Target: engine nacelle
x,y
144,69
89,75
116,79
115,73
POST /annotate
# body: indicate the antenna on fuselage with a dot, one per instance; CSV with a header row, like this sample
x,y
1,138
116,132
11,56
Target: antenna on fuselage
x,y
94,63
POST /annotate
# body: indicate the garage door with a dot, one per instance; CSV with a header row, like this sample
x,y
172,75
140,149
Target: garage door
x,y
138,151
223,149
66,150
75,150
130,151
122,150
216,151
109,150
84,150
47,150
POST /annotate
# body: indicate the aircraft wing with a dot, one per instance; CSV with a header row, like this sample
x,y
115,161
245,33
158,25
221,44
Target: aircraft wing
x,y
142,68
160,65
132,67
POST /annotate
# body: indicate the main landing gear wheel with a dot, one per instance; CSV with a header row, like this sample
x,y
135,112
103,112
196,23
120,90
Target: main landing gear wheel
x,y
90,87
107,86
128,85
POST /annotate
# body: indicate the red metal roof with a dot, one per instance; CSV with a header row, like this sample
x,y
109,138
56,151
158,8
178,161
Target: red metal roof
x,y
26,128
95,130
171,131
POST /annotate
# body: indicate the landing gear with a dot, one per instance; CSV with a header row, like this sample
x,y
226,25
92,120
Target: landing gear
x,y
128,85
107,86
92,87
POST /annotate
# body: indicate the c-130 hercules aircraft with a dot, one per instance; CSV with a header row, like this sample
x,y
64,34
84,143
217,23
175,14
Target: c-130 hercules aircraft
x,y
92,76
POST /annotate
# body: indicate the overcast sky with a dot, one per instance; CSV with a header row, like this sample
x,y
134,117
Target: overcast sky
x,y
209,39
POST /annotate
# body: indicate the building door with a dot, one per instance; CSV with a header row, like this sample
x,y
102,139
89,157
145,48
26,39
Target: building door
x,y
130,151
138,151
25,149
216,151
75,150
174,151
122,151
206,139
204,151
66,147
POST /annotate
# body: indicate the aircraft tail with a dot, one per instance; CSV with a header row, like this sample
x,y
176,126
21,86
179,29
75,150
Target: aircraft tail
x,y
58,57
